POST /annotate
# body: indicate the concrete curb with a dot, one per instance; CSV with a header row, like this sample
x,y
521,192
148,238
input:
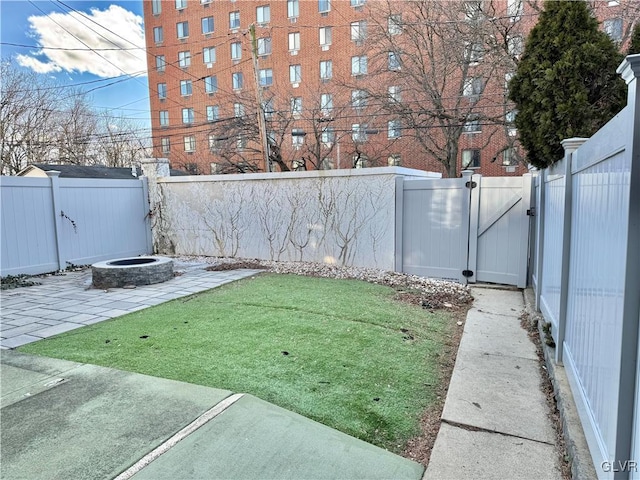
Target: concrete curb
x,y
575,440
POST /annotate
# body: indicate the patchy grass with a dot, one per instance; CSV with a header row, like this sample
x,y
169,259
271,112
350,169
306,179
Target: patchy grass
x,y
342,352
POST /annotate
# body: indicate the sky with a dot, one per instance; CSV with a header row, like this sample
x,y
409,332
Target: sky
x,y
97,46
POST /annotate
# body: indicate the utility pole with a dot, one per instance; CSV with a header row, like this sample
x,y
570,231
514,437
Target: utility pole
x,y
262,127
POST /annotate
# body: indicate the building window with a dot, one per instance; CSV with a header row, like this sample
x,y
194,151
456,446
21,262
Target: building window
x,y
190,144
162,91
156,7
265,77
241,142
394,24
473,11
181,4
359,65
158,34
238,110
326,104
359,99
264,46
161,63
294,41
510,157
394,61
214,146
236,51
212,113
394,93
293,8
185,88
359,132
209,55
360,161
184,59
394,160
470,159
613,28
263,14
237,80
164,118
515,9
269,110
187,115
357,3
393,128
510,120
234,20
359,31
207,25
165,142
324,6
473,53
325,37
182,29
515,46
295,73
297,137
472,87
296,105
326,69
327,136
211,84
472,125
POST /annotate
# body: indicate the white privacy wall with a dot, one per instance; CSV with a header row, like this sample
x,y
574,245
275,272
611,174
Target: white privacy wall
x,y
338,217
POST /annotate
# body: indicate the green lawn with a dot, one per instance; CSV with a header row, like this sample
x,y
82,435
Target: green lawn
x,y
342,352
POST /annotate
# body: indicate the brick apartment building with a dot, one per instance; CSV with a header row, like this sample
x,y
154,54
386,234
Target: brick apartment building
x,y
340,83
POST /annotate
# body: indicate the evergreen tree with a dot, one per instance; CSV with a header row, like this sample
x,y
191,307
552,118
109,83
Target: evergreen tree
x,y
634,45
566,83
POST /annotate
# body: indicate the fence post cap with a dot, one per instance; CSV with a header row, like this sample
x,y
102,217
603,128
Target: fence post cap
x,y
572,144
52,173
629,69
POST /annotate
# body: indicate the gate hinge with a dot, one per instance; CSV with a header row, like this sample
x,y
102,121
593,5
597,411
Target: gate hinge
x,y
531,212
467,273
471,184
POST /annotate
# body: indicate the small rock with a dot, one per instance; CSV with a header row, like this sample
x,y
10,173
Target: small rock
x,y
447,305
459,323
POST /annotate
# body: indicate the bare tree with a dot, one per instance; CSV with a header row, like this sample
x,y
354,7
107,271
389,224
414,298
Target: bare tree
x,y
27,108
119,143
440,68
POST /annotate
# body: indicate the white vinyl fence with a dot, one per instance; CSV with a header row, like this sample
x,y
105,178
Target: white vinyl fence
x,y
51,223
587,279
344,217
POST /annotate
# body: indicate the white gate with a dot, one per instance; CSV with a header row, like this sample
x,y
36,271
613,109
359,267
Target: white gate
x,y
469,229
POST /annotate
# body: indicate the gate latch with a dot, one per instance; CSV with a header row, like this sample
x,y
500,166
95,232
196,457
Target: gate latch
x,y
531,212
471,184
467,273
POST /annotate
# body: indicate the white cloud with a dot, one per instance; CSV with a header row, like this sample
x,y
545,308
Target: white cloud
x,y
36,65
69,31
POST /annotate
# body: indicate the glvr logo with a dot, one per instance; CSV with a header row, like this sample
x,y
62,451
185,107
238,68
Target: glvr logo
x,y
620,466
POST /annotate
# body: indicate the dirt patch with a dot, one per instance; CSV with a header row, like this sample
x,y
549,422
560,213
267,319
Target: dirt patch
x,y
234,266
530,324
419,448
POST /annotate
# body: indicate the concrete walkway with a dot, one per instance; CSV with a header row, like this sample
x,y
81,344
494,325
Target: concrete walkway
x,y
495,422
67,301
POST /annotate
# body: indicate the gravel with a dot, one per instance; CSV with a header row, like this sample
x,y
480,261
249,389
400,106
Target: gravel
x,y
433,293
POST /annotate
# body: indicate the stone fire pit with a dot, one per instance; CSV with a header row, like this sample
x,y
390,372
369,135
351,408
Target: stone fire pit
x,y
123,272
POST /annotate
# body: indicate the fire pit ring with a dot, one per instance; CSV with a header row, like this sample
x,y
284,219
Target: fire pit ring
x,y
122,272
